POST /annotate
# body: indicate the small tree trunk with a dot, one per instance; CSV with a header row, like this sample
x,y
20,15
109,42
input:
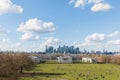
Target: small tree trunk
x,y
21,69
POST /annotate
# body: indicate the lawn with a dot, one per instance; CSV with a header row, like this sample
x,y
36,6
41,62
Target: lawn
x,y
74,72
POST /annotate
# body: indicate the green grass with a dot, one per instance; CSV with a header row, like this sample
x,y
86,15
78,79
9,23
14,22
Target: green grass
x,y
75,72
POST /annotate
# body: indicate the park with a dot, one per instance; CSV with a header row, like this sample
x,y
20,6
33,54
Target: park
x,y
73,72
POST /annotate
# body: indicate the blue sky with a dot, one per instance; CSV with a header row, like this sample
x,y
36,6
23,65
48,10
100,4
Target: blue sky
x,y
31,25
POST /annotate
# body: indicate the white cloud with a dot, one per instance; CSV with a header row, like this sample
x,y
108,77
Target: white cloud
x,y
114,34
95,37
100,41
79,3
6,6
100,37
29,36
18,44
8,45
33,27
5,44
51,41
114,42
37,37
95,1
26,36
5,40
98,5
37,26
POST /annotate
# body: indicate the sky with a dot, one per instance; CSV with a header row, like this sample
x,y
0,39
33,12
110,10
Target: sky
x,y
87,24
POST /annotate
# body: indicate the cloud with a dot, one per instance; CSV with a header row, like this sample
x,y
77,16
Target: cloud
x,y
95,1
37,26
5,40
26,36
29,36
98,5
8,45
79,3
6,6
100,37
100,41
114,34
114,42
51,41
34,27
5,44
96,37
18,44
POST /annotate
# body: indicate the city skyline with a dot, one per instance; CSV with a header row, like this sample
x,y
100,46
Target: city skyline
x,y
87,24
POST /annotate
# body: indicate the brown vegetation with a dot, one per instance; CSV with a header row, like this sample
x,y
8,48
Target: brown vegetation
x,y
116,59
102,58
11,64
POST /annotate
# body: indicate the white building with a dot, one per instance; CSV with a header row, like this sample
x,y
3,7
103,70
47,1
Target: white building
x,y
64,59
88,60
35,59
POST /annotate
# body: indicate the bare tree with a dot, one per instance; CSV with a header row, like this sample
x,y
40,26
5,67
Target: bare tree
x,y
11,64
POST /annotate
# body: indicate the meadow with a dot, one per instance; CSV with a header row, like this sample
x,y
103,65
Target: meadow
x,y
74,72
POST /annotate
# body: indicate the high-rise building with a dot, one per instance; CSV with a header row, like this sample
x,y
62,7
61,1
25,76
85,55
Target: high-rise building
x,y
63,49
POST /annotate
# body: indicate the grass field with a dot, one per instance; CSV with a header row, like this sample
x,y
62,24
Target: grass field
x,y
74,72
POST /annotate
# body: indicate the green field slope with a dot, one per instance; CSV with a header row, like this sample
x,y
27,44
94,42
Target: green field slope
x,y
74,72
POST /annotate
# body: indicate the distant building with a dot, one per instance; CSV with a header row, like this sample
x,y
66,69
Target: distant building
x,y
35,59
49,49
89,60
64,59
118,53
62,49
